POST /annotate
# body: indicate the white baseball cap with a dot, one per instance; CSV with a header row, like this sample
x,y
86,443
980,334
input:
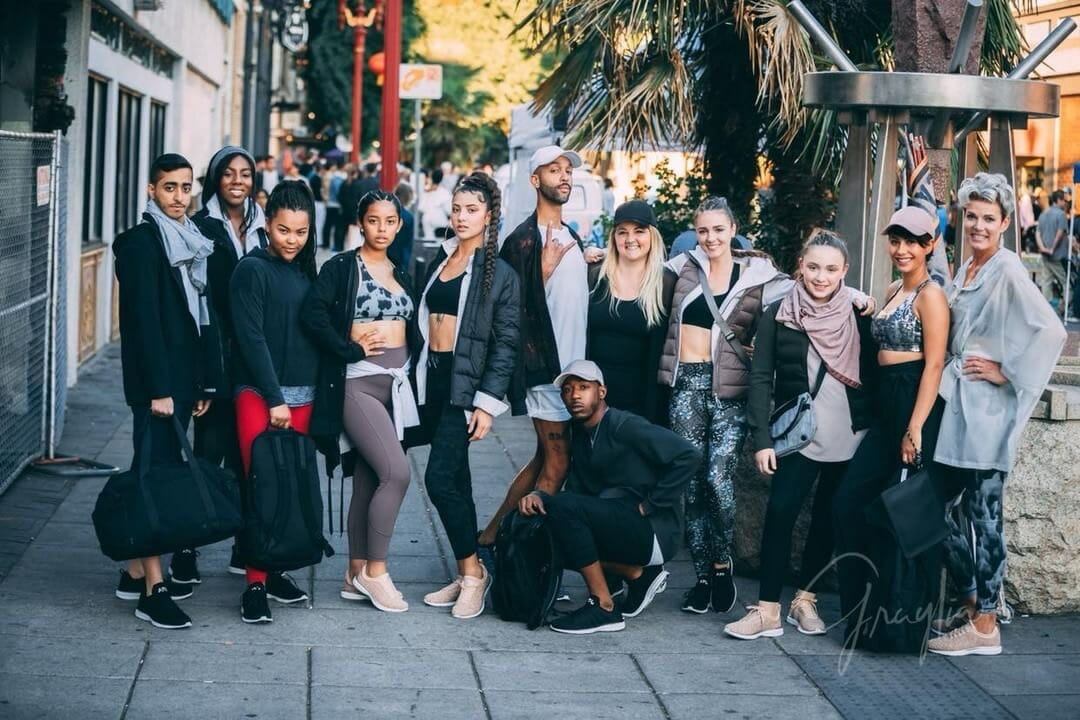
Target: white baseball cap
x,y
549,154
584,369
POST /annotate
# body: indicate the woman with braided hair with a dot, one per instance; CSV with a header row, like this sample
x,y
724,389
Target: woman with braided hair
x,y
469,318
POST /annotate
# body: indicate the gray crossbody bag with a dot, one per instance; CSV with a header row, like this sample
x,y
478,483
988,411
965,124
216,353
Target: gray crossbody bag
x,y
792,425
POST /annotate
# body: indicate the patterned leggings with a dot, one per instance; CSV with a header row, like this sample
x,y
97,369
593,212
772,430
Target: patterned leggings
x,y
975,547
717,428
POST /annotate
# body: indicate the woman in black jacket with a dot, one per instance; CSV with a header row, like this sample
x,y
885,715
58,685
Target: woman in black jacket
x,y
813,340
276,365
235,222
469,314
361,315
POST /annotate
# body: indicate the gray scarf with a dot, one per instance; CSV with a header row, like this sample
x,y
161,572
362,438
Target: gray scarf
x,y
186,248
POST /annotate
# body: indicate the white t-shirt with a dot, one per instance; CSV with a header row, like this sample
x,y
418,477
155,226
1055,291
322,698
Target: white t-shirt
x,y
567,293
435,208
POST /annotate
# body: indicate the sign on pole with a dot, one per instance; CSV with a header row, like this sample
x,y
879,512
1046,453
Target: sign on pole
x,y
420,82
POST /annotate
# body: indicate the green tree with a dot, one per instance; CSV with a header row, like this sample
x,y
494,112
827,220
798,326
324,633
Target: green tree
x,y
327,68
725,76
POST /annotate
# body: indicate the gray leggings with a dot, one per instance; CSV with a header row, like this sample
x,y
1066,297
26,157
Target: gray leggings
x,y
381,475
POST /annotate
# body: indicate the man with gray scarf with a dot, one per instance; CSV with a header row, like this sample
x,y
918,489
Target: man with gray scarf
x,y
169,349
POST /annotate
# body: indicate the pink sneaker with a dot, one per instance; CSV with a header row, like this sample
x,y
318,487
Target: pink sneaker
x,y
381,591
470,602
444,597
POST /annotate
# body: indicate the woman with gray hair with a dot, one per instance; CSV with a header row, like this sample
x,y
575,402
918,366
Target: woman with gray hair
x,y
1003,345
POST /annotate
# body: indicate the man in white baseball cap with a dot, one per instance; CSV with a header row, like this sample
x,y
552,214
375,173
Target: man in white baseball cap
x,y
549,259
621,512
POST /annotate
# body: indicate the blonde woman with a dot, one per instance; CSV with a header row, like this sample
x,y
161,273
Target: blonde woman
x,y
628,309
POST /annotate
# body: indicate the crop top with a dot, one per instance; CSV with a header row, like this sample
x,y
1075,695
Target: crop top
x,y
900,330
375,302
698,314
443,295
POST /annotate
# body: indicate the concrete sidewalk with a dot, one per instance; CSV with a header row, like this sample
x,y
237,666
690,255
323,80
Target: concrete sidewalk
x,y
68,648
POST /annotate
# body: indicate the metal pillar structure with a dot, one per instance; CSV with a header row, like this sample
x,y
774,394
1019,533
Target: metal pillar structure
x,y
359,20
883,104
390,135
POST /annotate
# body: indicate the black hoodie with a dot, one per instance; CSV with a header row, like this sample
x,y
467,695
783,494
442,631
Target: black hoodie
x,y
266,294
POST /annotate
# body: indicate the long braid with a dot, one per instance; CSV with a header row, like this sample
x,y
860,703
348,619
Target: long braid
x,y
486,187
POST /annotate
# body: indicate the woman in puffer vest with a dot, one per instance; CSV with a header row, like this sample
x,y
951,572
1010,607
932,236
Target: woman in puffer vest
x,y
707,365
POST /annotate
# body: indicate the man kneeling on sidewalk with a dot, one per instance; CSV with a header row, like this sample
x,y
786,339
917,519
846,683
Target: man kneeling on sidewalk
x,y
621,512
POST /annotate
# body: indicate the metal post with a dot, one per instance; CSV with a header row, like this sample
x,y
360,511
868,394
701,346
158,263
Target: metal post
x,y
877,267
1025,68
48,418
851,195
418,126
390,135
359,39
1068,263
819,35
967,163
1001,161
966,36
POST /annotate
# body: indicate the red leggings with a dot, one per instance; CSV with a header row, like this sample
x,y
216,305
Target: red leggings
x,y
252,418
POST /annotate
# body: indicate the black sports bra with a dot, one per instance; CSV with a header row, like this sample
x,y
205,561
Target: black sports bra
x,y
698,314
442,296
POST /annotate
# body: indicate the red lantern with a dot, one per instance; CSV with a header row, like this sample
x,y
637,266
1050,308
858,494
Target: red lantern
x,y
377,63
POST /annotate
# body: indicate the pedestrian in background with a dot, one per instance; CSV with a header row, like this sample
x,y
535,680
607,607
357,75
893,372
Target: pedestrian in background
x,y
1052,239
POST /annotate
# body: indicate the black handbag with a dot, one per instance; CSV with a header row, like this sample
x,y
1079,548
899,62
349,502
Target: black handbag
x,y
157,509
915,511
283,528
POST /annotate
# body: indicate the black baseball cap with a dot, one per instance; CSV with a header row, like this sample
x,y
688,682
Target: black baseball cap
x,y
637,211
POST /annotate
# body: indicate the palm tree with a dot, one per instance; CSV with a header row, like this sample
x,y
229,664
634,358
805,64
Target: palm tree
x,y
725,77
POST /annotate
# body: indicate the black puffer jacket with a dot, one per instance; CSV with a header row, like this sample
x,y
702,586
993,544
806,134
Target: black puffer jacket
x,y
779,374
538,361
488,333
327,317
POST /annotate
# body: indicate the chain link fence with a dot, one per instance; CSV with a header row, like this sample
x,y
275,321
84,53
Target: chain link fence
x,y
30,316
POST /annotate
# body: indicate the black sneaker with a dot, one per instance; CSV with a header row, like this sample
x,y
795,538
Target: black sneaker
x,y
698,598
253,607
640,592
183,569
159,610
723,591
588,619
130,588
236,565
280,587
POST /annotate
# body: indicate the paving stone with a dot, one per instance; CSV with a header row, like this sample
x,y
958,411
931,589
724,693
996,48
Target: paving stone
x,y
748,707
392,668
335,703
592,705
1042,707
225,662
695,673
50,657
1022,674
62,697
552,672
171,698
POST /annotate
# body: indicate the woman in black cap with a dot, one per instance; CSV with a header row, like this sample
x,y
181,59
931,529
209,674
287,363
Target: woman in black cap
x,y
629,302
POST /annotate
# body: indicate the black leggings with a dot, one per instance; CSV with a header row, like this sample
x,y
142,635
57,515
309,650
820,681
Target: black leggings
x,y
793,481
589,529
875,463
448,480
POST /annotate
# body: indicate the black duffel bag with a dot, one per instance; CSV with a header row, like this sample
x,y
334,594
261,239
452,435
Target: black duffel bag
x,y
158,509
283,528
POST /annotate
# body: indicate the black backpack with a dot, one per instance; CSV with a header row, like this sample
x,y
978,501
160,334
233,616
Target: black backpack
x,y
283,504
527,570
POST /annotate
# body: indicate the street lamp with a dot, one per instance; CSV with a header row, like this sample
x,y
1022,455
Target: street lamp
x,y
359,18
